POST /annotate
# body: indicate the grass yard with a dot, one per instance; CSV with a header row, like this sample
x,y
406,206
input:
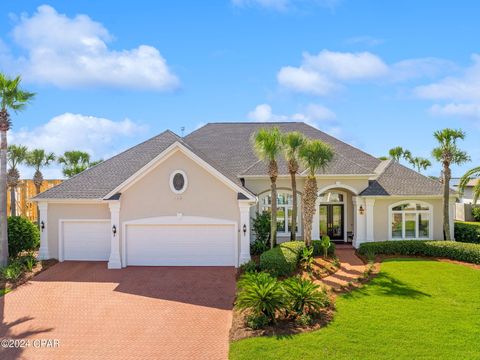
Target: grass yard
x,y
414,309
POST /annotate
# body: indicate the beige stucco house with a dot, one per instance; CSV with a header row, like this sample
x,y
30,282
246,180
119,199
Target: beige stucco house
x,y
189,201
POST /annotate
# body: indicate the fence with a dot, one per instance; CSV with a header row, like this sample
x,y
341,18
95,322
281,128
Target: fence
x,y
24,192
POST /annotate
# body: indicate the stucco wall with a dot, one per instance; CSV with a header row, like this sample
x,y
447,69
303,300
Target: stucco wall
x,y
260,186
57,212
205,195
381,217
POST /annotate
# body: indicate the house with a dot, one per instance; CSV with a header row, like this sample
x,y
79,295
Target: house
x,y
467,196
189,201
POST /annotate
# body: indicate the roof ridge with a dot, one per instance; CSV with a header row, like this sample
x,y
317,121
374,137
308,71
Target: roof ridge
x,y
384,165
343,142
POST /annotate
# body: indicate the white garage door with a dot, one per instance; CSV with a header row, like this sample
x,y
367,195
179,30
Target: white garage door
x,y
86,240
181,245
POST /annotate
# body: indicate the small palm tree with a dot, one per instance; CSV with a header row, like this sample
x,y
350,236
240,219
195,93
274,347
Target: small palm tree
x,y
419,163
315,156
37,159
396,153
472,173
12,98
75,161
268,144
448,153
16,155
292,142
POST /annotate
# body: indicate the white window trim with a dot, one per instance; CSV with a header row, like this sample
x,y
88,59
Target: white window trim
x,y
430,223
299,220
344,203
185,185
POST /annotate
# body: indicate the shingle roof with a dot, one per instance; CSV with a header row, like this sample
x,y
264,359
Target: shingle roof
x,y
230,144
99,180
397,179
227,148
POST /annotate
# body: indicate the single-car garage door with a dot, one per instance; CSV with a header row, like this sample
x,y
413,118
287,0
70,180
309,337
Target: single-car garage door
x,y
85,240
181,245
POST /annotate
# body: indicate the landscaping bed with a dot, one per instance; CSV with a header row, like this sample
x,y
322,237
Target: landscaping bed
x,y
419,308
11,280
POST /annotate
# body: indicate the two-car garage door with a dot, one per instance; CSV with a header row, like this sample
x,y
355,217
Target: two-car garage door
x,y
180,245
153,244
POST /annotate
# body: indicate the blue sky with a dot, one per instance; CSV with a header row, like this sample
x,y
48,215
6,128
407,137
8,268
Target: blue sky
x,y
375,74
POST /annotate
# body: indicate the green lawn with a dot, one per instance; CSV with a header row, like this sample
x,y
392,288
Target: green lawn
x,y
414,309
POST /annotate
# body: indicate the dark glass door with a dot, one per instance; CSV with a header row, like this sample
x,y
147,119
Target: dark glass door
x,y
331,221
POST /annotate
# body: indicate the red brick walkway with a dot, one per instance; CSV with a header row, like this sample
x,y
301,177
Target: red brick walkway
x,y
133,313
351,268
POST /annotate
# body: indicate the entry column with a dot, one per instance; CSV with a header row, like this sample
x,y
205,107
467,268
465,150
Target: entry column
x,y
114,261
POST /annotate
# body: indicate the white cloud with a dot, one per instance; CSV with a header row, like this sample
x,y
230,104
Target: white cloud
x,y
462,88
345,66
99,137
303,80
313,114
327,71
455,109
74,52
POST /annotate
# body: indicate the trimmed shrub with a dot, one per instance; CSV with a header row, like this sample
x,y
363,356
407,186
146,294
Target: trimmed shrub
x,y
476,213
283,259
447,249
248,267
23,235
468,232
318,248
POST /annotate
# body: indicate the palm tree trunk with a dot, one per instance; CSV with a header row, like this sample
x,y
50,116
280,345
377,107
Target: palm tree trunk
x,y
273,223
13,201
308,208
294,207
3,199
37,190
446,201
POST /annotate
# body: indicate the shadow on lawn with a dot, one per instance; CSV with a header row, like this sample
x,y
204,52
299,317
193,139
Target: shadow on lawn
x,y
388,286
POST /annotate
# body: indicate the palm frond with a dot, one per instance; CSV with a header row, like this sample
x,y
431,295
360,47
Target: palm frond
x,y
315,155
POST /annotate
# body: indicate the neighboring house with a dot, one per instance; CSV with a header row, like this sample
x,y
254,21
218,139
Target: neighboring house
x,y
189,201
467,196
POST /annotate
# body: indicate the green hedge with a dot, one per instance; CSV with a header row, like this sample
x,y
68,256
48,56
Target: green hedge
x,y
468,232
23,235
318,250
447,249
283,259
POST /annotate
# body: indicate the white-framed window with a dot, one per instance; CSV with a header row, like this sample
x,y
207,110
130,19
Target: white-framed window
x,y
411,220
284,210
178,181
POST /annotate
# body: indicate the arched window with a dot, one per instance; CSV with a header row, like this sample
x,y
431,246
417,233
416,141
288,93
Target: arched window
x,y
410,220
284,210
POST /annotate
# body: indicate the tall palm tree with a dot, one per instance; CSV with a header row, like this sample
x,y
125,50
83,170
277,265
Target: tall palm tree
x,y
12,98
472,173
419,163
315,155
75,161
37,159
268,145
448,153
292,142
16,155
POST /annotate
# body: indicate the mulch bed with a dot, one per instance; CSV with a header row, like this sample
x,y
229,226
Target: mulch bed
x,y
7,285
282,328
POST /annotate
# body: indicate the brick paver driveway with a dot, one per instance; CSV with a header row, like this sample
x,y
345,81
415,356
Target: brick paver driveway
x,y
133,313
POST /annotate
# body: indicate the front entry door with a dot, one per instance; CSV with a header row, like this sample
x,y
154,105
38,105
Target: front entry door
x,y
331,221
